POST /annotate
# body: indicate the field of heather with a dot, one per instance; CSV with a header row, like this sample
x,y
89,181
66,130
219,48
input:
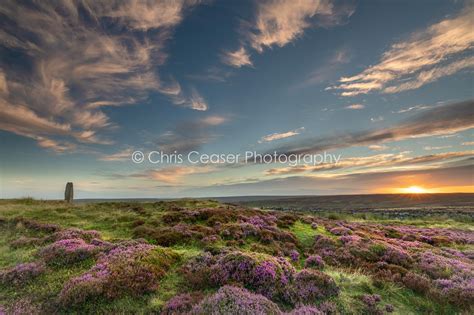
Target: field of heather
x,y
205,257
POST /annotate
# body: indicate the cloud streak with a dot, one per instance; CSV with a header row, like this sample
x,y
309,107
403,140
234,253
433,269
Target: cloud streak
x,y
279,136
173,175
441,120
440,50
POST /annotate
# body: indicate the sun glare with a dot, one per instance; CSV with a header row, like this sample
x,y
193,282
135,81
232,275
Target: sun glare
x,y
414,190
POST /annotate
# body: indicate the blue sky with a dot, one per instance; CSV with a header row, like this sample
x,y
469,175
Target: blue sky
x,y
386,85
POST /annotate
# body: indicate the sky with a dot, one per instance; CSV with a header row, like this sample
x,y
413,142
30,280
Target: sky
x,y
385,86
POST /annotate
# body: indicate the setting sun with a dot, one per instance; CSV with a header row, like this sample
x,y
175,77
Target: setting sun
x,y
414,190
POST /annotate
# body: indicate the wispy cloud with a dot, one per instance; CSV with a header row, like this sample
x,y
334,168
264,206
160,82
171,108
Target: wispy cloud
x,y
218,74
280,22
238,58
377,147
283,135
173,175
468,143
197,102
428,55
377,119
413,108
76,67
442,120
214,120
118,156
432,148
355,106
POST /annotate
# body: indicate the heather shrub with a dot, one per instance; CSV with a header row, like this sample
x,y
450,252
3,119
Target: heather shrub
x,y
440,267
174,217
324,308
458,290
197,270
286,220
67,251
181,303
234,300
322,242
23,307
262,273
137,222
305,310
346,239
397,256
21,274
178,234
386,271
310,286
315,262
37,226
372,305
294,255
26,242
211,239
340,230
74,233
130,268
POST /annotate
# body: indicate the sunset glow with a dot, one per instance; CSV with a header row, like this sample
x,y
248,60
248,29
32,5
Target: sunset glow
x,y
414,190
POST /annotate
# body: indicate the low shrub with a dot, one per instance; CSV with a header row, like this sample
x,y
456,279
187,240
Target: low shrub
x,y
197,270
26,242
130,268
234,300
21,274
181,303
74,233
36,225
261,273
340,230
372,305
22,307
178,234
417,283
310,286
305,310
294,255
457,291
67,251
314,262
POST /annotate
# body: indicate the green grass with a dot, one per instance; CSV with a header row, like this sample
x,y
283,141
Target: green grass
x,y
354,284
304,233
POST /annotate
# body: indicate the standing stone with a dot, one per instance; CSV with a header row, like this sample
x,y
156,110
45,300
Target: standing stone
x,y
69,193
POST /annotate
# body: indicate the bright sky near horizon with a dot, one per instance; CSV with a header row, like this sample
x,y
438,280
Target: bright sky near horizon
x,y
387,85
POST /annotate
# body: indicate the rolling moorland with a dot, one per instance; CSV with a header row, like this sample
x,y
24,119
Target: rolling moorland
x,y
209,257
